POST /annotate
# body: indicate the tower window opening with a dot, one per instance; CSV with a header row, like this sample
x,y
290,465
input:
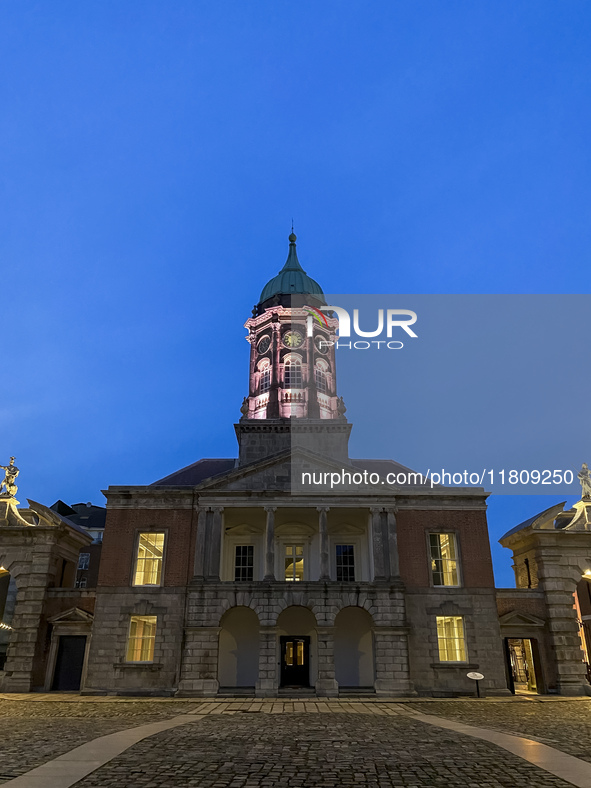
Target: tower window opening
x,y
265,380
293,374
320,379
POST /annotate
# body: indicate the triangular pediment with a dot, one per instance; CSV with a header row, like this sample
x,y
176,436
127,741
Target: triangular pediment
x,y
345,529
275,473
516,618
73,616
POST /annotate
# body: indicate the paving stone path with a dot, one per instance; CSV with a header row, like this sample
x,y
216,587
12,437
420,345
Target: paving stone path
x,y
563,724
292,743
33,732
305,750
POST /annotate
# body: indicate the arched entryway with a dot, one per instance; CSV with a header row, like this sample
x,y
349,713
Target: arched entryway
x,y
8,592
238,662
296,628
353,648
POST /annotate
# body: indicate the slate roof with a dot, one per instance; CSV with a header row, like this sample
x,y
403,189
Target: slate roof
x,y
194,474
531,521
292,279
209,467
86,515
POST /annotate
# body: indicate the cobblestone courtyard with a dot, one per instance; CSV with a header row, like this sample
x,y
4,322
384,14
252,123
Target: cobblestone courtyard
x,y
243,744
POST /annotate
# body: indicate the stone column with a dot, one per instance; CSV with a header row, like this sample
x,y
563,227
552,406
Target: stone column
x,y
392,543
323,530
200,543
270,544
391,659
215,537
379,548
326,684
268,680
558,583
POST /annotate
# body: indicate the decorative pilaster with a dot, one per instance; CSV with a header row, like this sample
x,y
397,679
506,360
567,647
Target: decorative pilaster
x,y
200,543
215,538
270,544
379,548
392,532
323,531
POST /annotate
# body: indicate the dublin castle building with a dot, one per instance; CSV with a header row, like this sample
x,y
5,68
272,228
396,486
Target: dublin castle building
x,y
228,577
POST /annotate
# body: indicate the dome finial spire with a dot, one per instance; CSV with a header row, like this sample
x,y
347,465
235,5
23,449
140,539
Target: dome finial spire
x,y
293,236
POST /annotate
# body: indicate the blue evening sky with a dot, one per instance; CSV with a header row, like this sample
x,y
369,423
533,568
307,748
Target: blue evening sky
x,y
153,155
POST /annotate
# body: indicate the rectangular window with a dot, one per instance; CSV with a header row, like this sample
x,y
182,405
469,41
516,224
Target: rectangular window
x,y
142,635
244,562
83,560
451,640
294,562
345,563
81,583
444,564
148,565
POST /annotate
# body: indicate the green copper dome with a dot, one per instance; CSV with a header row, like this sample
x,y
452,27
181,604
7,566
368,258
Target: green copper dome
x,y
292,279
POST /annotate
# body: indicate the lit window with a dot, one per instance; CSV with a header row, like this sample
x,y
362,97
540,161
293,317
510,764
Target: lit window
x,y
294,562
293,374
345,563
450,637
148,565
83,560
265,380
444,564
142,635
320,378
244,562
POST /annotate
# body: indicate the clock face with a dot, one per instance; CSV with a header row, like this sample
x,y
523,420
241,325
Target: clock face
x,y
264,344
292,339
320,341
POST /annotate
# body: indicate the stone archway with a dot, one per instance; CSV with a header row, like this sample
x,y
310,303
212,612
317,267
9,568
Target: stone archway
x,y
353,648
238,655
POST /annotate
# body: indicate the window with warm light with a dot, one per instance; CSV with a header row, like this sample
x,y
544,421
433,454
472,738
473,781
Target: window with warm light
x,y
444,563
294,562
148,564
450,638
142,636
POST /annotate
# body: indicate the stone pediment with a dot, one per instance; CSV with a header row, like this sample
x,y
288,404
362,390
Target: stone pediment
x,y
516,618
74,615
345,529
275,473
244,530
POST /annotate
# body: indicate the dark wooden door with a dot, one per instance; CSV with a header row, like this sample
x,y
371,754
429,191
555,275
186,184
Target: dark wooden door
x,y
295,661
69,663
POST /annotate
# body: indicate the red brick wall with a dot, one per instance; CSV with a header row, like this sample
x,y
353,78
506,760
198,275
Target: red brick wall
x,y
120,539
472,535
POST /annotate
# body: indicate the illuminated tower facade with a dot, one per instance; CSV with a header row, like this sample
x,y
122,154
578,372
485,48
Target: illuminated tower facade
x,y
292,349
292,373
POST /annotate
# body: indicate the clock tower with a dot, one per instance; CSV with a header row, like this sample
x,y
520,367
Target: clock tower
x,y
292,378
